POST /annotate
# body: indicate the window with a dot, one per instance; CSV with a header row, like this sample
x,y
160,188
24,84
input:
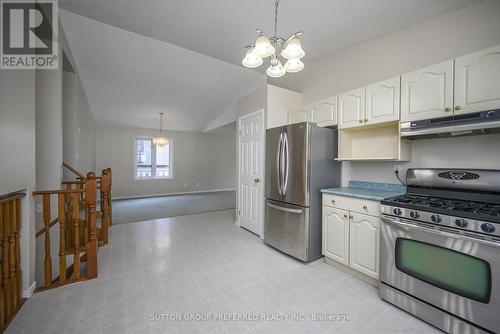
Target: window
x,y
152,161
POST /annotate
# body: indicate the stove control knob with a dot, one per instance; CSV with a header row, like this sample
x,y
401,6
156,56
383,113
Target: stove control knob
x,y
397,211
461,222
488,228
414,214
436,218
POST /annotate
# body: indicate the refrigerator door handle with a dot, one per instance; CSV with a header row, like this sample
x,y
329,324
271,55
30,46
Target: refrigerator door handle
x,y
287,163
279,162
297,211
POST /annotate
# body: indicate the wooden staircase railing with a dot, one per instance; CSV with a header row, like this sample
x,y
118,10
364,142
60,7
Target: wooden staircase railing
x,y
105,213
10,267
74,171
77,236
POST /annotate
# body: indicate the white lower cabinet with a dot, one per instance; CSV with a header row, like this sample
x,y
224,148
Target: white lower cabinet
x,y
350,237
336,232
364,244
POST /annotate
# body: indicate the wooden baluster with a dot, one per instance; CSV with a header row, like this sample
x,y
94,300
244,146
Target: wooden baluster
x,y
18,252
5,260
12,256
105,206
3,315
110,174
62,237
76,236
90,198
47,265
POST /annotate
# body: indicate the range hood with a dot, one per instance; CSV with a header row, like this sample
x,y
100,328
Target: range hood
x,y
479,123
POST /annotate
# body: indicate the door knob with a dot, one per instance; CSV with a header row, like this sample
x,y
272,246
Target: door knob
x,y
447,109
458,107
257,180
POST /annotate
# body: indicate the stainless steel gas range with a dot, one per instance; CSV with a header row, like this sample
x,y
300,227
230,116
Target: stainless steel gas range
x,y
440,249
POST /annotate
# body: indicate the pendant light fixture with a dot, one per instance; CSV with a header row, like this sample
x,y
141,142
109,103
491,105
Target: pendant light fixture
x,y
275,47
160,140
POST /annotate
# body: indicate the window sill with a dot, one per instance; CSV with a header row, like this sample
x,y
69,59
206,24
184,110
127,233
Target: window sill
x,y
153,178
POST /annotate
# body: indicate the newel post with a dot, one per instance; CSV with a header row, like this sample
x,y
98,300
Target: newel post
x,y
90,198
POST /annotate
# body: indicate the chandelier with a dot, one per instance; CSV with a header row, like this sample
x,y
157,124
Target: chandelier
x,y
275,47
160,140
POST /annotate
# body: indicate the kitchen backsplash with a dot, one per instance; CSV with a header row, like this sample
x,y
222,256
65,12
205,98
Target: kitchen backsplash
x,y
479,152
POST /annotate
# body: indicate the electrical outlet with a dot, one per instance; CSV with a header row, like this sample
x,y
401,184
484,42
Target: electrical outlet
x,y
397,169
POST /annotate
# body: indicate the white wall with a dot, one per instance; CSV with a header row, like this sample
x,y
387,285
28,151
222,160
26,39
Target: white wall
x,y
416,46
208,159
17,147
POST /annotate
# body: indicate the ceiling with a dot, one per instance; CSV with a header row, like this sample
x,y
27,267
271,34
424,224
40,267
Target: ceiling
x,y
183,57
220,28
129,78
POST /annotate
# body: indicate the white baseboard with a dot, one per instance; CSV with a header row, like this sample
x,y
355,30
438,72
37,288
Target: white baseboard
x,y
29,292
172,194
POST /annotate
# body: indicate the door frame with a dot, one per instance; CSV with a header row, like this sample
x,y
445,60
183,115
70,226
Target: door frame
x,y
263,166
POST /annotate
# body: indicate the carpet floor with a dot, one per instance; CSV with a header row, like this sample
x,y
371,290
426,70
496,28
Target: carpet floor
x,y
140,209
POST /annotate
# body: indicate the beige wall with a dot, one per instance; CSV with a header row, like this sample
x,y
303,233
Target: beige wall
x,y
17,162
208,159
416,46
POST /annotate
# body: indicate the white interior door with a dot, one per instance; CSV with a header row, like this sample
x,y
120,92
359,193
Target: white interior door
x,y
251,171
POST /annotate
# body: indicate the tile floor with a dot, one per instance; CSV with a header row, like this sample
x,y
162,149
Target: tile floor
x,y
205,264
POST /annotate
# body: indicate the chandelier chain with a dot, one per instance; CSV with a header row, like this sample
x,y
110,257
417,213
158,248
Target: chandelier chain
x,y
276,3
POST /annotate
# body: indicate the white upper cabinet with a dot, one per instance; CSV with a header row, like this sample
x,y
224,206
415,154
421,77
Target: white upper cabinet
x,y
352,108
298,115
382,101
324,113
477,81
427,93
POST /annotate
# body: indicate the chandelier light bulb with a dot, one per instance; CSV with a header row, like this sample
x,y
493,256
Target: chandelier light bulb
x,y
276,69
293,49
251,60
263,47
160,141
294,65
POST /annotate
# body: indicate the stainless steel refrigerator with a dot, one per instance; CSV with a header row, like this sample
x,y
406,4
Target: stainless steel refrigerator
x,y
299,162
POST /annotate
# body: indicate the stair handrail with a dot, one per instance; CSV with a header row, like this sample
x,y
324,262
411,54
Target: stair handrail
x,y
74,171
10,268
71,217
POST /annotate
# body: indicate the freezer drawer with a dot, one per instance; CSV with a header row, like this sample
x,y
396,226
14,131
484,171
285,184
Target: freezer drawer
x,y
287,228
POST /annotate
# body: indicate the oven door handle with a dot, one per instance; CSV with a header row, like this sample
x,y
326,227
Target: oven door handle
x,y
400,222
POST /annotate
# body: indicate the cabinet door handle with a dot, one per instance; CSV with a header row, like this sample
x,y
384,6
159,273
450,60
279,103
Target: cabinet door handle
x,y
366,120
333,201
447,109
351,217
345,216
458,107
365,207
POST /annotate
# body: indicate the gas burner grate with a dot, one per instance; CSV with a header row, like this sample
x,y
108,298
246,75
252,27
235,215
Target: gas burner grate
x,y
447,204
